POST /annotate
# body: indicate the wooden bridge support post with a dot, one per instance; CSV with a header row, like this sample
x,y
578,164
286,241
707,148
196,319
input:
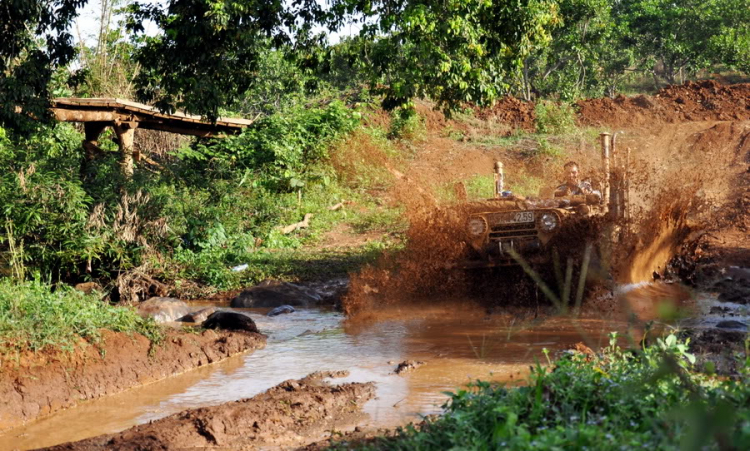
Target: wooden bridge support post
x,y
125,133
90,144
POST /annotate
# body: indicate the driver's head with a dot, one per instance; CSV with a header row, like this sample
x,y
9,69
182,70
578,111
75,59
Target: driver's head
x,y
571,173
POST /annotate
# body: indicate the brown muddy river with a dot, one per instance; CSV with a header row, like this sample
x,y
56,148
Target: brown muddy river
x,y
457,345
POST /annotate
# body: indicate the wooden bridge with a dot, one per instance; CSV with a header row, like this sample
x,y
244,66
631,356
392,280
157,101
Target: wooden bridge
x,y
125,116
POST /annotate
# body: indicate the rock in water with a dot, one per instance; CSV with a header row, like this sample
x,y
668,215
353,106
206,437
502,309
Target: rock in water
x,y
731,324
407,365
272,293
198,316
163,309
281,310
227,320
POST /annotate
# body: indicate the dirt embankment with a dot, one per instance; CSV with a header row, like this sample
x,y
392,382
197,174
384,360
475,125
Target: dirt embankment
x,y
286,415
692,102
40,384
691,177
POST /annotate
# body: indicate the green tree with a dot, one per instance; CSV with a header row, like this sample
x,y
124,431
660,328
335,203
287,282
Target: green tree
x,y
732,42
35,44
109,66
451,51
573,64
209,52
675,38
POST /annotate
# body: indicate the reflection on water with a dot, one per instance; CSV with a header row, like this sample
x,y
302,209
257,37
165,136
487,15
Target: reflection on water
x,y
456,345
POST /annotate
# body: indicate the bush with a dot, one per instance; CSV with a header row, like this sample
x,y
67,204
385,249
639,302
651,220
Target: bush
x,y
35,317
620,400
554,118
205,211
406,124
277,151
45,207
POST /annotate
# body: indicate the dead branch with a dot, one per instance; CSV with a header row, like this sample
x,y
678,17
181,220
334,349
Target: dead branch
x,y
305,223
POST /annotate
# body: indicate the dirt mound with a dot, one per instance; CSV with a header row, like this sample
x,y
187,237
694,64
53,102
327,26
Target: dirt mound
x,y
509,110
282,416
37,385
694,101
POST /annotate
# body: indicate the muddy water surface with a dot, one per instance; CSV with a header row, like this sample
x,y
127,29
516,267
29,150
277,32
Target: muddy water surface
x,y
456,345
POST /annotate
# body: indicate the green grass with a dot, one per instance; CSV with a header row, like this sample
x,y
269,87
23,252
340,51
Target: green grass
x,y
481,187
645,399
35,317
391,220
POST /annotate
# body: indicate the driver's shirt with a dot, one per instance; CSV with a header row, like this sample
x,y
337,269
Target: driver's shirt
x,y
582,188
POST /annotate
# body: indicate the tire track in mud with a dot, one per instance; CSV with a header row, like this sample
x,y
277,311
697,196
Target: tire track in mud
x,y
282,416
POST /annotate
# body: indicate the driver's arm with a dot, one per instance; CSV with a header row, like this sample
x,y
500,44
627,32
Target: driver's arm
x,y
587,189
561,191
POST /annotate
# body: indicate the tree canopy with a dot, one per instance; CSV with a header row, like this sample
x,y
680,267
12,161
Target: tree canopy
x,y
36,42
210,53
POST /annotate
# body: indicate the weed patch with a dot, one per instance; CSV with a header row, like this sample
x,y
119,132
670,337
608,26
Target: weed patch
x,y
634,400
555,117
35,317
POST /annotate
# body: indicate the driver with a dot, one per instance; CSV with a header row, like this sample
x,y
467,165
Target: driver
x,y
573,185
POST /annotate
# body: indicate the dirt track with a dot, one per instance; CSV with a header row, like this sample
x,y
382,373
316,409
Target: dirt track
x,y
289,414
38,385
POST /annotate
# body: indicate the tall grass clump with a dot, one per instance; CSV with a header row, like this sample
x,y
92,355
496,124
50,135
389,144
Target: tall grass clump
x,y
34,317
554,118
406,124
647,399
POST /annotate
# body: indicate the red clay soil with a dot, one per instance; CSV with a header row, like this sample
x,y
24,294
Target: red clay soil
x,y
518,114
41,384
694,101
289,414
706,100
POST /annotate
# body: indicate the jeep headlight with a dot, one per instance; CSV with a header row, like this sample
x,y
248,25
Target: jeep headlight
x,y
548,222
476,226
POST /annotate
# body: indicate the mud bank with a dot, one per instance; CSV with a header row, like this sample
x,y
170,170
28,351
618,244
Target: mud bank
x,y
35,385
285,415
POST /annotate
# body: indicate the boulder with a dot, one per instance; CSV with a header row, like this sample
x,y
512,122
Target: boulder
x,y
272,293
281,310
331,291
163,309
731,324
198,316
407,365
227,320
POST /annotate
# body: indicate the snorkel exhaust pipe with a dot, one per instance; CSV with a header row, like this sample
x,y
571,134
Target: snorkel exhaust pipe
x,y
606,154
499,179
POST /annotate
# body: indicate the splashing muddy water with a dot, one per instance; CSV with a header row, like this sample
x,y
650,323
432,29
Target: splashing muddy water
x,y
458,345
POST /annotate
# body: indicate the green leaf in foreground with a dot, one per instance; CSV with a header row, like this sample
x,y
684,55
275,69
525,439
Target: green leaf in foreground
x,y
652,399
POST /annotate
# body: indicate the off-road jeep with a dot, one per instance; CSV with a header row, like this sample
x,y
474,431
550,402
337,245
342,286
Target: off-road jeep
x,y
529,226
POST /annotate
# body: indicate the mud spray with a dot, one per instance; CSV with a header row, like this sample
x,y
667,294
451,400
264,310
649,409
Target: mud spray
x,y
690,149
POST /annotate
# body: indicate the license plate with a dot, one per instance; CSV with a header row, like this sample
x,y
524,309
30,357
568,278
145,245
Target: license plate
x,y
516,217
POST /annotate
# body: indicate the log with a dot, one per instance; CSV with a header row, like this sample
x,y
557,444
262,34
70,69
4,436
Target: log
x,y
305,223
